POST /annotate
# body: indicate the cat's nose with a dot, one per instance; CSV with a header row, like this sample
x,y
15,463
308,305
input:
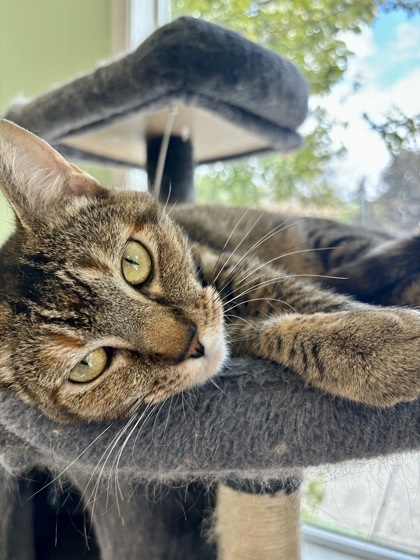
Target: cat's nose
x,y
194,349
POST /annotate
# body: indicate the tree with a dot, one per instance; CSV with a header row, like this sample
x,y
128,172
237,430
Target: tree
x,y
399,203
309,34
398,131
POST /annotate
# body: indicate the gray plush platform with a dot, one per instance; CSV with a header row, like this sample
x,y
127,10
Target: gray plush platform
x,y
278,424
189,61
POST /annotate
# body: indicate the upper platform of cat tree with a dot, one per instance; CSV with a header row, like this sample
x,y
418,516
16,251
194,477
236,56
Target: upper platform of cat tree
x,y
232,98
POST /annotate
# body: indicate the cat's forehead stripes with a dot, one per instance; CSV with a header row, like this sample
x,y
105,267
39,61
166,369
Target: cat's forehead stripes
x,y
90,261
66,341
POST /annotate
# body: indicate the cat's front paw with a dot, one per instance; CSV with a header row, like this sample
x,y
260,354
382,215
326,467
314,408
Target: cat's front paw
x,y
369,355
381,349
398,357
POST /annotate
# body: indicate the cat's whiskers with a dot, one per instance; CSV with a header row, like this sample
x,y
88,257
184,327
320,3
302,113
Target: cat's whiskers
x,y
109,449
217,386
260,265
274,281
228,315
163,403
168,414
183,408
129,422
227,241
274,231
269,299
115,462
167,200
188,393
133,406
58,476
150,408
235,249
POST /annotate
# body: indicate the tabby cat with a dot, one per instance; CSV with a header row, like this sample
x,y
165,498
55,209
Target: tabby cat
x,y
106,304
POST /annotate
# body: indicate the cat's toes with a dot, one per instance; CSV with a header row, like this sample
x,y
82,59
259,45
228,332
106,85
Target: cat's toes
x,y
402,354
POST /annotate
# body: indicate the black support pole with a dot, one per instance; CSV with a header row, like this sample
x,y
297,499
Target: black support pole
x,y
178,173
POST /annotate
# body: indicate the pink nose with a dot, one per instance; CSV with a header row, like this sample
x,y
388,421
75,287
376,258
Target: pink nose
x,y
194,349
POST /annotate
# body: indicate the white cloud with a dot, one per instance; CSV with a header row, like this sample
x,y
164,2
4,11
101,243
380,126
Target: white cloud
x,y
406,92
363,47
367,155
361,44
407,43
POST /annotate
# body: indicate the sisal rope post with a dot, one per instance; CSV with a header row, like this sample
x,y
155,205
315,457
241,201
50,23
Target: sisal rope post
x,y
257,526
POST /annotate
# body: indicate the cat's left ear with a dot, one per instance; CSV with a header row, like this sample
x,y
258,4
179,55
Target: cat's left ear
x,y
35,178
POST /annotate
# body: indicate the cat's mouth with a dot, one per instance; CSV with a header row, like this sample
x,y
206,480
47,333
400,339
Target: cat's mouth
x,y
205,360
205,353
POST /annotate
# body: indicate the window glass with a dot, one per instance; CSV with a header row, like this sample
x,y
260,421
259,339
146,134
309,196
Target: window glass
x,y
360,160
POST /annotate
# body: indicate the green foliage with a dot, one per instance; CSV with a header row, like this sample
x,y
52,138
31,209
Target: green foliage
x,y
309,34
313,495
298,177
398,131
303,31
411,7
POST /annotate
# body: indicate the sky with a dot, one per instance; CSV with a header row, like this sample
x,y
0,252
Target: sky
x,y
386,63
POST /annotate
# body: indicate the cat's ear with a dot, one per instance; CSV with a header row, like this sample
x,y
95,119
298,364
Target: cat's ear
x,y
35,178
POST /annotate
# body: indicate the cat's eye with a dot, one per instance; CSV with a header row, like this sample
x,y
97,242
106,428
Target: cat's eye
x,y
91,367
136,263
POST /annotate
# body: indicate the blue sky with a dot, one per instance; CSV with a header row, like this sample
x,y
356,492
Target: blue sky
x,y
386,64
397,38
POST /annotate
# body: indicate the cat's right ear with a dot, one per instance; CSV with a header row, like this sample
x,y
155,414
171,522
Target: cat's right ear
x,y
35,178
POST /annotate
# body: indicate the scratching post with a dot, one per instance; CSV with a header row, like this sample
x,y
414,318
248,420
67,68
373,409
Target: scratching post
x,y
270,522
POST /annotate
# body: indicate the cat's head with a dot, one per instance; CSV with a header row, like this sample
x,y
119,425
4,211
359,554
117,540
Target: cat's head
x,y
100,305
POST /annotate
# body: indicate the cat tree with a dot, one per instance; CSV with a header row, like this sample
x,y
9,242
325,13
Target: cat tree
x,y
260,426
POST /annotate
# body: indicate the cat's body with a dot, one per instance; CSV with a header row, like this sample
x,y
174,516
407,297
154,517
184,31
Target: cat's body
x,y
106,304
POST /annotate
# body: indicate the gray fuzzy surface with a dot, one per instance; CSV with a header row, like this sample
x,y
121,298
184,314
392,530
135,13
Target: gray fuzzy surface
x,y
260,423
277,422
188,60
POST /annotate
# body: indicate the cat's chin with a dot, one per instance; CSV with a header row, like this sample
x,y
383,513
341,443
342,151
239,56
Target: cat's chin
x,y
196,371
211,363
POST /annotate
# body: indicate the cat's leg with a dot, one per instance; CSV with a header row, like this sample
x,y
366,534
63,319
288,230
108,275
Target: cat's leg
x,y
366,355
257,526
389,274
356,351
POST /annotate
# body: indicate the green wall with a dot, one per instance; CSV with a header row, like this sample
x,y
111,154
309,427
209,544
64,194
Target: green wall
x,y
46,42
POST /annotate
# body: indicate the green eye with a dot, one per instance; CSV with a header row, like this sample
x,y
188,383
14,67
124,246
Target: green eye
x,y
91,367
136,263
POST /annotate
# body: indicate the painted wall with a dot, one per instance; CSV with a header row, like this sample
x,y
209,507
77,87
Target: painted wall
x,y
46,42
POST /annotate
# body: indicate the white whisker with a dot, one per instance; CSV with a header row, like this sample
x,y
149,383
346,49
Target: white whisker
x,y
227,241
269,299
238,245
275,280
262,264
278,229
72,462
